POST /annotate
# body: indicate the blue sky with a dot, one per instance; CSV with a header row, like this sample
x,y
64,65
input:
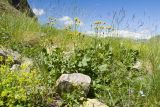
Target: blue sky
x,y
141,16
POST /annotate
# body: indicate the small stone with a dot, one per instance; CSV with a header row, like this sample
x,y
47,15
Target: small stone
x,y
137,65
15,67
93,103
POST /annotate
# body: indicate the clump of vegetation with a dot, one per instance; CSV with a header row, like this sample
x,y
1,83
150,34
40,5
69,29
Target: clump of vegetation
x,y
114,81
108,61
18,88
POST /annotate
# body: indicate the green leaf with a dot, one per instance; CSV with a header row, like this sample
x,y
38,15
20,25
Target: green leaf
x,y
85,60
103,67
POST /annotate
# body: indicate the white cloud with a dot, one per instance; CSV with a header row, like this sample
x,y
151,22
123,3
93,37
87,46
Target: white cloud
x,y
135,35
38,12
125,34
69,21
66,20
90,32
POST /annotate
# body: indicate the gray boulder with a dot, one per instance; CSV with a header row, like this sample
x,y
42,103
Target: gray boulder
x,y
8,52
18,60
27,64
16,56
68,82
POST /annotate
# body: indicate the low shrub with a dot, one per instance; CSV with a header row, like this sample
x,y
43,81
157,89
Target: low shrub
x,y
20,88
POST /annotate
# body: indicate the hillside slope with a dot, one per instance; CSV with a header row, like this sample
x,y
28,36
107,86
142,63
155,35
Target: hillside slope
x,y
124,72
15,7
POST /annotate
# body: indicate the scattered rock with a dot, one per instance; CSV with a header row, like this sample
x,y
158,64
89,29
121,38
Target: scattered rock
x,y
27,63
137,65
16,56
2,53
93,103
68,82
2,57
18,60
8,52
15,67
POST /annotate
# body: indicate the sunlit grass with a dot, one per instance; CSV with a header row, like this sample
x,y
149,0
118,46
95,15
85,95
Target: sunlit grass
x,y
24,30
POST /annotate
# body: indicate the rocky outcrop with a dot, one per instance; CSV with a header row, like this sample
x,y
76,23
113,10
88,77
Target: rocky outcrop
x,y
70,82
23,6
16,7
5,53
17,60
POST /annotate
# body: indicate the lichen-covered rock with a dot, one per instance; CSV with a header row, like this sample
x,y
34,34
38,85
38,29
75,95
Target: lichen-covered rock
x,y
5,53
137,65
68,82
27,63
15,67
18,60
93,103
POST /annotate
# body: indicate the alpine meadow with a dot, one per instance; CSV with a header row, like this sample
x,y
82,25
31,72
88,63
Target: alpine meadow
x,y
79,53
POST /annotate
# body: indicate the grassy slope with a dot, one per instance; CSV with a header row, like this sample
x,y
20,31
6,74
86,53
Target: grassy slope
x,y
24,30
23,6
5,7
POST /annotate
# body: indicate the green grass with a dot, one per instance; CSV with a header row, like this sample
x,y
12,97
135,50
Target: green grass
x,y
27,36
5,7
